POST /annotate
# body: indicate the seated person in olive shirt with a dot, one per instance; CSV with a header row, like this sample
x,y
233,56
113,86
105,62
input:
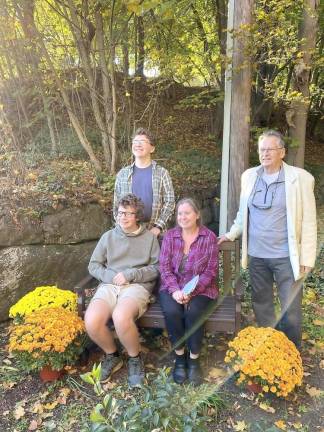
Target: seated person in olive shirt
x,y
125,261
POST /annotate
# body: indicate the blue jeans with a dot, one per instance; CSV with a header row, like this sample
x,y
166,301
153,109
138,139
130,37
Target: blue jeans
x,y
179,319
263,273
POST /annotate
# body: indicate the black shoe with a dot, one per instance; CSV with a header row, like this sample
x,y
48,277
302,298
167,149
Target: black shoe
x,y
195,376
179,372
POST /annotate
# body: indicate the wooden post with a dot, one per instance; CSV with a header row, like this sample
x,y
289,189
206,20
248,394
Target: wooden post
x,y
235,156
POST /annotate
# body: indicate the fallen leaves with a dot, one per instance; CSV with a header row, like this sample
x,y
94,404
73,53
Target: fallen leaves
x,y
240,426
267,408
19,412
217,373
281,424
313,391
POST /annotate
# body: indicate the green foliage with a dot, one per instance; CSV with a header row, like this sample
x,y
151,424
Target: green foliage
x,y
154,407
93,378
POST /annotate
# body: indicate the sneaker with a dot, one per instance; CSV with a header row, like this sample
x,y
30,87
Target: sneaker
x,y
195,375
110,364
136,372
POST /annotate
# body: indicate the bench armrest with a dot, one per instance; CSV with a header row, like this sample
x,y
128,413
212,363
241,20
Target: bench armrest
x,y
239,289
80,289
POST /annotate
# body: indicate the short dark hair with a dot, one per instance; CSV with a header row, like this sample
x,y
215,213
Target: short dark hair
x,y
272,133
131,200
145,132
193,204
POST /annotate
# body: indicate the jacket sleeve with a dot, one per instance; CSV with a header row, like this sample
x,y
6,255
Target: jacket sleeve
x,y
146,273
168,201
207,277
97,265
167,276
237,227
308,238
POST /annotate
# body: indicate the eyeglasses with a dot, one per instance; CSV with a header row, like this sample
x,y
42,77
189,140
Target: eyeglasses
x,y
140,142
125,213
264,206
265,150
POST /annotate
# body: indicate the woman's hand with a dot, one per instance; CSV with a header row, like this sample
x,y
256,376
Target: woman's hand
x,y
178,296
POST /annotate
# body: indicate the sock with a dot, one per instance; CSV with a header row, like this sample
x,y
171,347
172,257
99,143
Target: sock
x,y
134,357
115,354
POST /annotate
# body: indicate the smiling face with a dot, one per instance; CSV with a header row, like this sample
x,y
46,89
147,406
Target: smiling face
x,y
126,218
187,217
271,153
142,147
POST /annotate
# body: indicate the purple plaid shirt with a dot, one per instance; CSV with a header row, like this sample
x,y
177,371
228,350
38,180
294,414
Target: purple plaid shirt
x,y
202,261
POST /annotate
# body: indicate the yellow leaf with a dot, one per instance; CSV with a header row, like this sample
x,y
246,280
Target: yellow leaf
x,y
297,425
50,406
318,322
313,391
240,426
217,373
305,336
281,424
19,412
37,408
267,408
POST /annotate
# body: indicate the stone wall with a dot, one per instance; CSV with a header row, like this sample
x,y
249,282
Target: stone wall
x,y
55,249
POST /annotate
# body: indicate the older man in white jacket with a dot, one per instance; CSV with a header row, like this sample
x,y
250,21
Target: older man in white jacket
x,y
277,220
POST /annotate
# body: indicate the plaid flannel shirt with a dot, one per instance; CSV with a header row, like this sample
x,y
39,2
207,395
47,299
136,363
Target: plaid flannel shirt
x,y
163,193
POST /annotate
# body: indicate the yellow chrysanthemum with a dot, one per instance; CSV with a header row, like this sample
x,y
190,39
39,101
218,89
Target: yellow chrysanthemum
x,y
44,297
266,356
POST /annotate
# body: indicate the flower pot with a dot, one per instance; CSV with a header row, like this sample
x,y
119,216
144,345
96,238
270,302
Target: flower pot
x,y
47,374
254,387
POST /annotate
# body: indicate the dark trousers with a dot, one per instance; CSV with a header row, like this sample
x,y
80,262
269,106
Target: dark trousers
x,y
263,272
180,319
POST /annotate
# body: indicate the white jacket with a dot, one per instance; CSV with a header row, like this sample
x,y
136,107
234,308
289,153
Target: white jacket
x,y
301,216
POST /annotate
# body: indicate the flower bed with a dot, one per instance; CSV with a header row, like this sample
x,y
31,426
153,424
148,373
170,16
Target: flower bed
x,y
267,357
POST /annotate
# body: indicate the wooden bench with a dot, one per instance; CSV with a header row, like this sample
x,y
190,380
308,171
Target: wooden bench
x,y
225,313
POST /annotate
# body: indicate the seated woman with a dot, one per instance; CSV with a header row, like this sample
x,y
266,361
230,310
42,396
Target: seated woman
x,y
188,250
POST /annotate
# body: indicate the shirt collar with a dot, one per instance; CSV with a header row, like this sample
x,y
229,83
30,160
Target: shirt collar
x,y
203,231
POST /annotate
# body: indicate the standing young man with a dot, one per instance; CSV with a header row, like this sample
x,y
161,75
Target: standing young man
x,y
277,220
125,261
149,181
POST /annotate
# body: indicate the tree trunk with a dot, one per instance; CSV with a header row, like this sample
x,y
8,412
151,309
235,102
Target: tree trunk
x,y
236,136
296,116
140,46
25,11
84,45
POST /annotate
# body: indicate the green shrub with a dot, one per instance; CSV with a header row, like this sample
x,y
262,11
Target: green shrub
x,y
160,406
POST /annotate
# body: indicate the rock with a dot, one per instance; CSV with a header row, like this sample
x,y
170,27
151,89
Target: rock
x,y
75,225
26,267
19,229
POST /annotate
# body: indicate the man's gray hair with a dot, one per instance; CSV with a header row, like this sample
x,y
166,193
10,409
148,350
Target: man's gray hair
x,y
272,133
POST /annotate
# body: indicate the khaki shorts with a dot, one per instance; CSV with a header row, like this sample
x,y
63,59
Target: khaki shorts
x,y
111,294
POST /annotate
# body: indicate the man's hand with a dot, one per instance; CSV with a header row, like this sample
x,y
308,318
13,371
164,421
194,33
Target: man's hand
x,y
156,231
222,239
120,279
304,269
